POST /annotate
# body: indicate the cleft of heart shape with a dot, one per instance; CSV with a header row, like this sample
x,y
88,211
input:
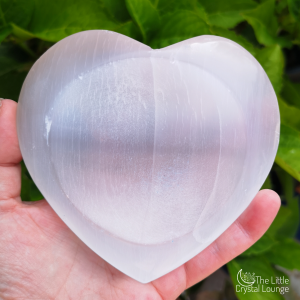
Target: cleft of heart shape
x,y
147,155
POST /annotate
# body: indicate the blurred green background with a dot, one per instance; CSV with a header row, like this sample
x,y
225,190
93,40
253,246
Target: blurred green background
x,y
269,30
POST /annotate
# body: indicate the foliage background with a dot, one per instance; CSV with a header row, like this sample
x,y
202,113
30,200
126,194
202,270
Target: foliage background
x,y
269,30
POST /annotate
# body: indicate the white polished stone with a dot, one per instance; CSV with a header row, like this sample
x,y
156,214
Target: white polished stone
x,y
147,155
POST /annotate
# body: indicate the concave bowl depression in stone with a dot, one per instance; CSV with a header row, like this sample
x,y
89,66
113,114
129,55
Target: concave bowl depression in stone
x,y
147,155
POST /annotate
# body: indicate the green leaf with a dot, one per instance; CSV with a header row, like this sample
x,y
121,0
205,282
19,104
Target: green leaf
x,y
25,184
260,266
280,226
4,32
179,26
288,154
117,9
54,20
294,8
130,29
291,201
289,115
272,60
145,15
29,191
291,93
226,14
18,12
167,6
229,34
280,6
265,243
290,25
35,193
172,6
20,33
265,25
286,255
287,183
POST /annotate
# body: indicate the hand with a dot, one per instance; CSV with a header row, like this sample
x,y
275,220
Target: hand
x,y
40,258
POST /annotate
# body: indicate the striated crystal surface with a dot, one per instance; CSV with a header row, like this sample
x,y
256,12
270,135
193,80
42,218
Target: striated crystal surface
x,y
147,155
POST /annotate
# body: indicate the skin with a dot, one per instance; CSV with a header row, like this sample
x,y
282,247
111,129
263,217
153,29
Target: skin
x,y
40,258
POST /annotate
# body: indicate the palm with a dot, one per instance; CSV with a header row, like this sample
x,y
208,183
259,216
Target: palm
x,y
40,258
41,255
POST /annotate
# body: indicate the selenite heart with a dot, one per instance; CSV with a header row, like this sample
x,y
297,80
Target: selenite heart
x,y
147,155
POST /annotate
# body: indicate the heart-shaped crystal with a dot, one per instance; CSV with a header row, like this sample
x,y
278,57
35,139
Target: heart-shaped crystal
x,y
147,155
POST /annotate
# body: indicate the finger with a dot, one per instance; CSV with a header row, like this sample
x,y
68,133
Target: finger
x,y
10,154
243,233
